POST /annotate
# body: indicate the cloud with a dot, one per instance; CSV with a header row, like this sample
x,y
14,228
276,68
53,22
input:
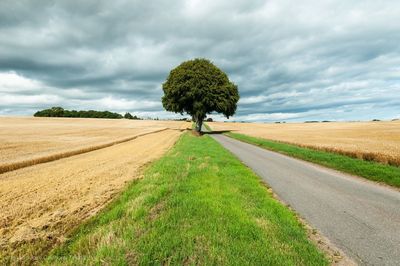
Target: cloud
x,y
12,82
28,100
124,104
314,61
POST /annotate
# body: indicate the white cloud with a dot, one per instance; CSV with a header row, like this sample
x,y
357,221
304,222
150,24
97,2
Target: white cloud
x,y
253,99
28,100
119,104
12,82
267,117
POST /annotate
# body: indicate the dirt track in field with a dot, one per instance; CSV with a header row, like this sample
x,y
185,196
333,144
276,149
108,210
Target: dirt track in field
x,y
45,201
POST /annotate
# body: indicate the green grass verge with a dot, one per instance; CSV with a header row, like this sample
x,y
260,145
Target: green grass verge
x,y
196,205
371,170
207,127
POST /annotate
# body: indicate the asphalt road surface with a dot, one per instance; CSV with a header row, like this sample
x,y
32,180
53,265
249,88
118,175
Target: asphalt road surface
x,y
358,216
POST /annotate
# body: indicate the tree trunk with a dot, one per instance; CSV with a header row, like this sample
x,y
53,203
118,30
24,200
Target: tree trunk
x,y
199,124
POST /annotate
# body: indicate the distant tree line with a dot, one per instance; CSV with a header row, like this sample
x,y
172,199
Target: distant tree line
x,y
61,112
129,116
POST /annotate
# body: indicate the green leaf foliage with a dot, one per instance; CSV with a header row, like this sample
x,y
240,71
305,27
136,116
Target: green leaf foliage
x,y
198,87
60,112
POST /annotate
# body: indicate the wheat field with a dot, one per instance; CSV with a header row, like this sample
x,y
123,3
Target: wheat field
x,y
43,202
377,141
26,141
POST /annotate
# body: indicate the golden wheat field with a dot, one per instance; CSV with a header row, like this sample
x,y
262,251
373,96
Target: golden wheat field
x,y
26,141
43,202
378,141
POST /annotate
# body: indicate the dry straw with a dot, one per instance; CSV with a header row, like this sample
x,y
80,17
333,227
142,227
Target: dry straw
x,y
7,167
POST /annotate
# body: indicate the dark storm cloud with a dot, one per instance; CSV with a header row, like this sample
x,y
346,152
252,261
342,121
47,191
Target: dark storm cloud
x,y
318,60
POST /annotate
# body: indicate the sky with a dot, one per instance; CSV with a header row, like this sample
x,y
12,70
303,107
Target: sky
x,y
292,61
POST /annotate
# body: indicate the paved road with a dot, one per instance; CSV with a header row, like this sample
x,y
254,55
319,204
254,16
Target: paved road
x,y
361,218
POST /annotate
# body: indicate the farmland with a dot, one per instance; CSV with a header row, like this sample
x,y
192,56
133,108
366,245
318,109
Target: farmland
x,y
41,203
198,205
377,141
89,195
26,141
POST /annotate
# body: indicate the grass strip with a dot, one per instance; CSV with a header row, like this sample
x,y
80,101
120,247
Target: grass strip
x,y
196,205
368,169
207,127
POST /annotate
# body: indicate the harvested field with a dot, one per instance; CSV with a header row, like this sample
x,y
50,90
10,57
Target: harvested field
x,y
28,141
377,141
40,204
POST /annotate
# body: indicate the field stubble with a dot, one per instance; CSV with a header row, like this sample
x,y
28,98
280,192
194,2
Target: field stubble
x,y
41,203
371,141
28,141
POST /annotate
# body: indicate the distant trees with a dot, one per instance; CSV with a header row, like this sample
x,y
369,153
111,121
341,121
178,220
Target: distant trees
x,y
60,112
198,87
209,119
129,116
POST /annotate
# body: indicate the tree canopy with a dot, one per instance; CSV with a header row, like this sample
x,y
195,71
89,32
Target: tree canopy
x,y
198,87
129,116
60,112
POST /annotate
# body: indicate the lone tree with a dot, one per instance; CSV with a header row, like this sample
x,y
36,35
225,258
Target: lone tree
x,y
198,88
